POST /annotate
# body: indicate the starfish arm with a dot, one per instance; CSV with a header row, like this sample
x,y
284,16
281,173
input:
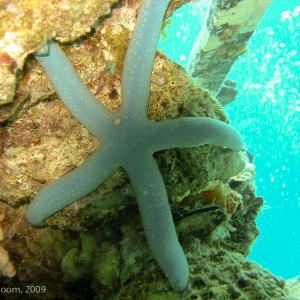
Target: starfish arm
x,y
157,220
194,132
72,186
73,93
140,57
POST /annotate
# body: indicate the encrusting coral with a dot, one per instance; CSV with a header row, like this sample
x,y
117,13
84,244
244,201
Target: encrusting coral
x,y
6,266
128,140
25,25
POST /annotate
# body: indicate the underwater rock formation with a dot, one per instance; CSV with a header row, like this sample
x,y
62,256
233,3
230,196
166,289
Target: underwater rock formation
x,y
95,248
25,25
292,289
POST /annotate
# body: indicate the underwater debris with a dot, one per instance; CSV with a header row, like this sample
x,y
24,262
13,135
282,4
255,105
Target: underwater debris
x,y
226,32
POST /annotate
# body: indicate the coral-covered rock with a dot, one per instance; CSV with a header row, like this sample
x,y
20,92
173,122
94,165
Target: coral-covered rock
x,y
292,289
26,25
96,248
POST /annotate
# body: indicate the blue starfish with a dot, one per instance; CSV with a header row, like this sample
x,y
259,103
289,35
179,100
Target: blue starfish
x,y
128,140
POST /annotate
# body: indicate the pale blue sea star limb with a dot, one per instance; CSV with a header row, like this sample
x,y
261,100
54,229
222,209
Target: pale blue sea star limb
x,y
128,140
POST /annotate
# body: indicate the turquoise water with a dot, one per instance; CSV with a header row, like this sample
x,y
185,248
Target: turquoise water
x,y
267,112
